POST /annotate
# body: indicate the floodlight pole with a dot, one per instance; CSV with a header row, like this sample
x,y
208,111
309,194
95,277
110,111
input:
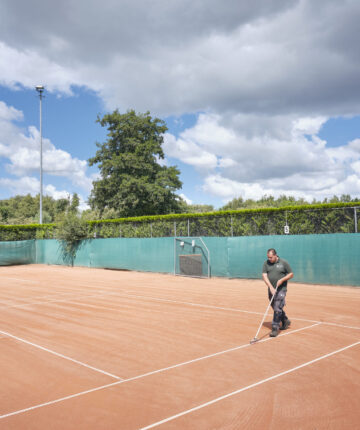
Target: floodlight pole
x,y
40,90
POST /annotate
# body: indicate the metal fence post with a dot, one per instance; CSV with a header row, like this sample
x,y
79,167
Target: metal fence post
x,y
355,219
188,227
174,228
151,229
231,221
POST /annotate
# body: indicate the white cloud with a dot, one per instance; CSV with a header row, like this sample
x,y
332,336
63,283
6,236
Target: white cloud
x,y
308,125
279,151
187,200
22,153
283,159
21,186
354,145
9,113
189,152
271,56
29,68
227,189
356,168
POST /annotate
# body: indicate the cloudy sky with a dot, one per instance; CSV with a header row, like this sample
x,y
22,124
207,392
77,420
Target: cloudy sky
x,y
260,97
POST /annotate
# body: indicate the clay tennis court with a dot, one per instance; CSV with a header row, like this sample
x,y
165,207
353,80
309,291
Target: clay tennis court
x,y
101,349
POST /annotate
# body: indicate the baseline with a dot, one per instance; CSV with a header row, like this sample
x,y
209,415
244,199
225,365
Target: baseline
x,y
233,393
201,305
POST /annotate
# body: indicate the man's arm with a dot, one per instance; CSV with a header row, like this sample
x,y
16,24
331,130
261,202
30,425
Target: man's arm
x,y
289,274
268,283
285,278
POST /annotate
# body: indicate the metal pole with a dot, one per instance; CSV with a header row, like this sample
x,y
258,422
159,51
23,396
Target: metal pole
x,y
232,230
40,89
174,255
188,227
355,219
41,160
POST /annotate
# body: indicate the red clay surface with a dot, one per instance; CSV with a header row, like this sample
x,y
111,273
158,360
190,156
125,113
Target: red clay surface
x,y
98,349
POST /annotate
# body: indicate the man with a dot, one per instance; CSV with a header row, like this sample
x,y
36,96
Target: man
x,y
276,272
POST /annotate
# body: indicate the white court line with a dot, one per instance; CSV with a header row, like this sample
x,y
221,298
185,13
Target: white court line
x,y
67,300
181,302
92,390
47,296
227,309
126,294
41,287
19,279
60,355
248,387
76,302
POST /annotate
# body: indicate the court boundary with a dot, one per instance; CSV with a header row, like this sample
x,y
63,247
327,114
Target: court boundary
x,y
125,293
102,387
218,399
108,291
65,357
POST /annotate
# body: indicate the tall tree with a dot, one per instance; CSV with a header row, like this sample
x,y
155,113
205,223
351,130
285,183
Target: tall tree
x,y
75,202
133,182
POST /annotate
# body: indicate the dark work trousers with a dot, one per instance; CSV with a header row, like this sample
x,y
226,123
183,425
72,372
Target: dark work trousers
x,y
278,304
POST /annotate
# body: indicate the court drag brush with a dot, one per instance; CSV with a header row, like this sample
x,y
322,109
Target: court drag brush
x,y
256,339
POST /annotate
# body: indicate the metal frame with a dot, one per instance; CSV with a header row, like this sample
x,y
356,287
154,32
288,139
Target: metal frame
x,y
183,239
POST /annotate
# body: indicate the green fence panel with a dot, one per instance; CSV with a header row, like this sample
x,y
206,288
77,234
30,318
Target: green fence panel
x,y
153,255
326,259
217,247
321,259
246,255
20,252
148,255
48,251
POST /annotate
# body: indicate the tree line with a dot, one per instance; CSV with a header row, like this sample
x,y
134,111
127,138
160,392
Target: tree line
x,y
25,209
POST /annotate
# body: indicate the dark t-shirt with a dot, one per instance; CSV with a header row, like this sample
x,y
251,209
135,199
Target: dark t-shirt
x,y
276,271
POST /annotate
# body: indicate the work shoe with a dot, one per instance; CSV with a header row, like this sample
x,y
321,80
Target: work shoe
x,y
285,325
274,332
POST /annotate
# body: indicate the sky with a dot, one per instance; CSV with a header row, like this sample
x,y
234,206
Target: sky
x,y
260,98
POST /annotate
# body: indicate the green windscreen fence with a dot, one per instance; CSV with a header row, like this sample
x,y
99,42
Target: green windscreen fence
x,y
21,252
147,255
319,259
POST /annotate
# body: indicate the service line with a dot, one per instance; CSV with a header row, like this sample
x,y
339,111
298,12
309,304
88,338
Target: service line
x,y
201,305
126,293
102,387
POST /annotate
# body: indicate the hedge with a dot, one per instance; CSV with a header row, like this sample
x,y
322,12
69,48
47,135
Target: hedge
x,y
306,219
